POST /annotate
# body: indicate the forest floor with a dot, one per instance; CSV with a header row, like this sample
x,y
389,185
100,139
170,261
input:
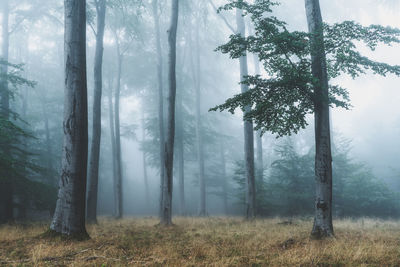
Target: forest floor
x,y
213,241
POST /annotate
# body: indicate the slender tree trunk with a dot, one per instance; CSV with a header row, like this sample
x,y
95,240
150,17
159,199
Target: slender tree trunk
x,y
180,154
112,137
118,180
166,218
96,131
260,164
224,180
160,99
200,148
5,111
145,177
248,130
323,226
69,216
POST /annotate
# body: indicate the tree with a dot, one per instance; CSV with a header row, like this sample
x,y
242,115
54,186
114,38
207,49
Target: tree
x,y
93,174
298,82
170,135
323,226
248,128
160,98
69,216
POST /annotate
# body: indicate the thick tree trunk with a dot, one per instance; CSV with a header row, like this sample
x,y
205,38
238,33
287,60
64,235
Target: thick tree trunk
x,y
93,175
5,111
200,148
160,99
112,139
145,176
118,180
69,216
323,159
166,218
248,130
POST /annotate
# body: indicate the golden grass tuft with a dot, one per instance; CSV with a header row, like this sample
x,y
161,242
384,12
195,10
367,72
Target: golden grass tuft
x,y
214,241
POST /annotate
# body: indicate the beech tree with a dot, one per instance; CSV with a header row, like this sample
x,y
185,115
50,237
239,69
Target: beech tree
x,y
166,213
93,174
299,81
69,216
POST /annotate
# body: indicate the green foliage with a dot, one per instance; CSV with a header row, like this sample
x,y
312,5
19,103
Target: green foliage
x,y
288,189
281,102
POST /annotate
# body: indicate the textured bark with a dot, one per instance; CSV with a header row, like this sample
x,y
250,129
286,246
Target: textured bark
x,y
199,137
323,159
145,176
5,110
118,162
248,131
93,175
69,216
166,218
160,98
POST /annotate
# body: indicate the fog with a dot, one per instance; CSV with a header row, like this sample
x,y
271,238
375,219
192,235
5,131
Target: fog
x,y
371,126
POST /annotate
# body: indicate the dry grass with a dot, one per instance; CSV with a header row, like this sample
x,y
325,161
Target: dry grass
x,y
206,242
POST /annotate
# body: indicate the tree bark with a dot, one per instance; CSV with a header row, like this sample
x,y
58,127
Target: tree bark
x,y
323,226
170,136
5,111
96,131
118,180
248,130
69,217
160,99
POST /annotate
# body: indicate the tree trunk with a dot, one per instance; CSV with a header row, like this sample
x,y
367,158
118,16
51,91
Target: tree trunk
x,y
160,99
112,137
96,131
224,180
180,154
200,148
260,164
170,136
118,180
323,159
145,177
248,130
69,216
5,111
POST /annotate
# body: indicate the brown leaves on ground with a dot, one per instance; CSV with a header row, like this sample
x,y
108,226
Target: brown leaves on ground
x,y
206,242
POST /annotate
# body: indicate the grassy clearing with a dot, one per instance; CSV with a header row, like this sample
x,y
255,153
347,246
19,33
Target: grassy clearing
x,y
206,242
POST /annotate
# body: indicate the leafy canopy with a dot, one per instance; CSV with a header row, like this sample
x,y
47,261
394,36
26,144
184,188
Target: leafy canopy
x,y
281,101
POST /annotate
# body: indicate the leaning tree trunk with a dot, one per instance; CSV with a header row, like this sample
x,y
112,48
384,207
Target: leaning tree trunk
x,y
248,130
96,134
69,216
118,180
160,100
5,111
166,218
323,159
200,148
